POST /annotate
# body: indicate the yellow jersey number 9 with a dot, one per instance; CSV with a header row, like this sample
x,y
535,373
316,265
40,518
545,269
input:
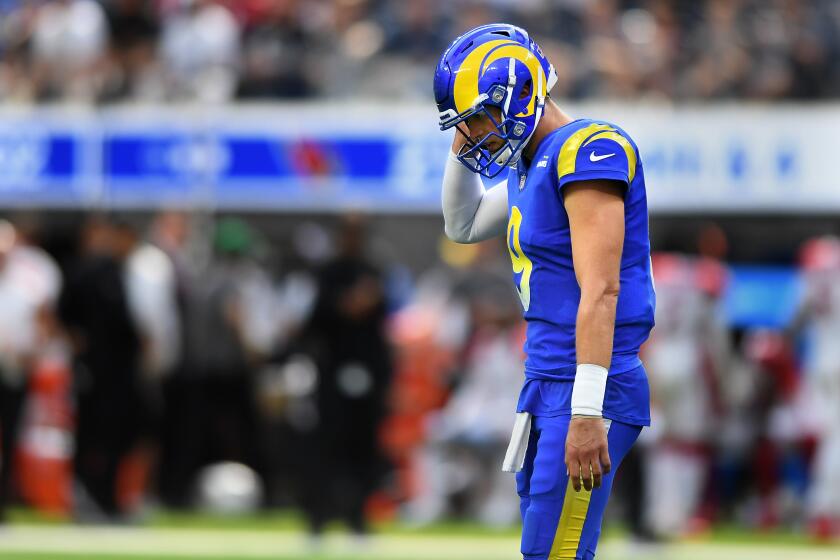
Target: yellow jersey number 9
x,y
521,263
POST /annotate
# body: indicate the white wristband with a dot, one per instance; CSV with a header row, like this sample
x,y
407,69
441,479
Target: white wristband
x,y
588,390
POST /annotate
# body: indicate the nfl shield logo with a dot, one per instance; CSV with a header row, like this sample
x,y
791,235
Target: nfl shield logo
x,y
522,182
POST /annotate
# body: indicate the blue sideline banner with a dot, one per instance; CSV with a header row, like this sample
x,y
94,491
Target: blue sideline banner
x,y
334,157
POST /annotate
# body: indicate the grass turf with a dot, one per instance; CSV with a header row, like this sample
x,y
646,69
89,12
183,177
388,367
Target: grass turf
x,y
280,536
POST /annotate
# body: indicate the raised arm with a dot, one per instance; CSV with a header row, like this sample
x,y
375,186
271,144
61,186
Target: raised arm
x,y
471,213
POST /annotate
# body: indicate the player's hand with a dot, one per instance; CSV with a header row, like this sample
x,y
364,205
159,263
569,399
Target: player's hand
x,y
460,139
587,452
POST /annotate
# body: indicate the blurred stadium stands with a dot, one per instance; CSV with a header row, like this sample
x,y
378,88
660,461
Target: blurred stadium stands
x,y
217,50
210,177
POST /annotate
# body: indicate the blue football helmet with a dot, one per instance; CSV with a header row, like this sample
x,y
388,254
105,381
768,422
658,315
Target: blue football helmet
x,y
490,66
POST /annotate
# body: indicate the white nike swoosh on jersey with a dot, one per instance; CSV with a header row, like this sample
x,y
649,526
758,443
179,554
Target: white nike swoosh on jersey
x,y
593,157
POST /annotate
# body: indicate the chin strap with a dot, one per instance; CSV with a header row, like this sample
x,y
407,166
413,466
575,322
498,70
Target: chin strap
x,y
507,155
519,147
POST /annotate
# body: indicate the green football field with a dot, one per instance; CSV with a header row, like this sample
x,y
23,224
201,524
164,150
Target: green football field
x,y
280,538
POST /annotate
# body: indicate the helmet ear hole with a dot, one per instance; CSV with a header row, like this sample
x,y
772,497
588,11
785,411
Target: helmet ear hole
x,y
526,90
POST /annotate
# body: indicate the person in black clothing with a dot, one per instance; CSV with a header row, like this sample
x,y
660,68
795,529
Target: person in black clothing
x,y
212,413
94,309
276,56
133,35
345,338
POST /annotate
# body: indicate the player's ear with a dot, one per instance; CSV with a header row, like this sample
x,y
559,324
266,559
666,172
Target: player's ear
x,y
526,90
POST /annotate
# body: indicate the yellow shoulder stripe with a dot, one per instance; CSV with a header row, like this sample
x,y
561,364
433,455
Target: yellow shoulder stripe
x,y
566,161
626,146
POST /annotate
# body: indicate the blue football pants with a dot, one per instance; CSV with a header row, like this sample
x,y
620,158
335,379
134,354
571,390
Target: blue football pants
x,y
557,522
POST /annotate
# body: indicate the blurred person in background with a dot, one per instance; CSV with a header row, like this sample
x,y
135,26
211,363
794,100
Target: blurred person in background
x,y
612,71
345,337
17,23
573,208
171,233
275,54
134,31
151,286
720,36
445,292
415,32
212,414
30,282
349,40
820,316
778,477
685,359
107,345
654,36
467,438
429,336
69,48
740,427
411,37
287,381
200,50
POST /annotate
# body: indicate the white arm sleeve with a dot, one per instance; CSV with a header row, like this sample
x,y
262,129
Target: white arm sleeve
x,y
471,213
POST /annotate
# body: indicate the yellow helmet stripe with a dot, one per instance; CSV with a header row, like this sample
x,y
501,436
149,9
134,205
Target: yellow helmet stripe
x,y
525,56
465,88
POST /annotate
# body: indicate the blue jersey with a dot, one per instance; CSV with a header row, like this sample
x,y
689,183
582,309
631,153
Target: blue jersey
x,y
538,238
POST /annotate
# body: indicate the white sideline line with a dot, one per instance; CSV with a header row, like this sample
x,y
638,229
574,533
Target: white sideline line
x,y
225,543
230,543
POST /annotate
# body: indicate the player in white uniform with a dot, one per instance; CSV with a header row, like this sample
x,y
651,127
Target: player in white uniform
x,y
821,314
683,360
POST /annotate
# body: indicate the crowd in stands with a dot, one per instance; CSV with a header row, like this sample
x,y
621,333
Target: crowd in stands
x,y
99,51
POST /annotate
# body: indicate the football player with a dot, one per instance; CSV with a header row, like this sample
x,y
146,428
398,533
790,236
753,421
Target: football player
x,y
820,312
573,207
684,360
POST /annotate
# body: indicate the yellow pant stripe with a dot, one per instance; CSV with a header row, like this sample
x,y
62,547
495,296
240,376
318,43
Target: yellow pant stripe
x,y
570,527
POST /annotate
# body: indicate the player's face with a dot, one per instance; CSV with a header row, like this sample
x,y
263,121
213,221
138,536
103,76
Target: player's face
x,y
480,125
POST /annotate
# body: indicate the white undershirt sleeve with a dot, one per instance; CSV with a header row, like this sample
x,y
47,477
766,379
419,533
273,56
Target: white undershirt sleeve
x,y
471,213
